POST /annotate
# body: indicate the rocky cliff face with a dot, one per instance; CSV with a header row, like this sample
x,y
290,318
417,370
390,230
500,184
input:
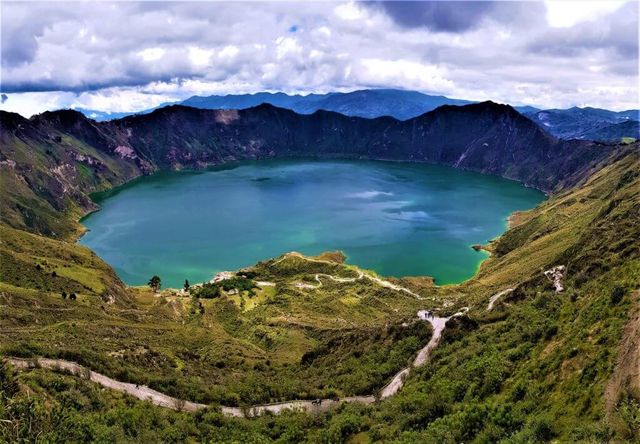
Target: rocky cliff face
x,y
50,162
484,137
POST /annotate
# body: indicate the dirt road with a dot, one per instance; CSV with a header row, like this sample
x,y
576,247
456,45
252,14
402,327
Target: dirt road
x,y
148,394
145,393
495,297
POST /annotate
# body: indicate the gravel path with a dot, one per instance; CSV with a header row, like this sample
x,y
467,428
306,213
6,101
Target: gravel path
x,y
555,275
138,391
148,394
495,297
361,275
438,324
145,393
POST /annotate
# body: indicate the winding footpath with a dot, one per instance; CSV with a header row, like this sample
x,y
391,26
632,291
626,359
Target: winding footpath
x,y
438,324
361,275
145,393
495,297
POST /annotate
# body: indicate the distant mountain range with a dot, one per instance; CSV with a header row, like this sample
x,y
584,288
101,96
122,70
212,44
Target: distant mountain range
x,y
368,103
573,123
587,123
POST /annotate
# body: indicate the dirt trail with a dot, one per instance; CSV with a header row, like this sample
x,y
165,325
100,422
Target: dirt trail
x,y
438,324
495,297
555,275
395,384
265,284
626,374
138,391
145,393
361,275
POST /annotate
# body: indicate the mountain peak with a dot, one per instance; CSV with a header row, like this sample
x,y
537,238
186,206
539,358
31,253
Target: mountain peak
x,y
61,116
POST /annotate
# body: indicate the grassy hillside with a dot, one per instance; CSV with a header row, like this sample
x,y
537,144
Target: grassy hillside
x,y
536,367
539,366
33,264
273,343
48,168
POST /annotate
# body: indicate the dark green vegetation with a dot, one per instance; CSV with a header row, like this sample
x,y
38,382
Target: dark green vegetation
x,y
155,283
240,284
540,366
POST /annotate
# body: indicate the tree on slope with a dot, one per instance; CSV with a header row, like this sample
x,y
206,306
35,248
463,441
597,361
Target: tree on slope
x,y
154,283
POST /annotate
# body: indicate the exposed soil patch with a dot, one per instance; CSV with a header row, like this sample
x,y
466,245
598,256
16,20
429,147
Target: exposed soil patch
x,y
626,374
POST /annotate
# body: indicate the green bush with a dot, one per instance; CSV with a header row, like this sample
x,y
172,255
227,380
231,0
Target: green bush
x,y
206,291
617,294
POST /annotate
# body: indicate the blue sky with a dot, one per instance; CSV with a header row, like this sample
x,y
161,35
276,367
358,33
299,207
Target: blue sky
x,y
126,56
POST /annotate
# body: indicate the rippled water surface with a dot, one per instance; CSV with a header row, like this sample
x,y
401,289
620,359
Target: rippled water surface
x,y
395,218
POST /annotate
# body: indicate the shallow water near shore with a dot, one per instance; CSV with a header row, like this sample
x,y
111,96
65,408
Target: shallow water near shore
x,y
398,219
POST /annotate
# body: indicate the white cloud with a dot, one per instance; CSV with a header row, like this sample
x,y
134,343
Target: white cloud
x,y
130,55
151,54
200,57
411,74
287,46
324,30
349,11
564,14
229,52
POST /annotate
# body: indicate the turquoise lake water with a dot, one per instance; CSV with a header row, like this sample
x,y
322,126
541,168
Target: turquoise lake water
x,y
399,219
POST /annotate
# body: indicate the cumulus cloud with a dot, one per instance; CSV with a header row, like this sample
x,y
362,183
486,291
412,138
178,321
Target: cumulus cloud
x,y
439,16
615,33
123,56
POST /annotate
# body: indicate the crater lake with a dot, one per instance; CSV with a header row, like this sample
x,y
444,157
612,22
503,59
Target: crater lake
x,y
398,219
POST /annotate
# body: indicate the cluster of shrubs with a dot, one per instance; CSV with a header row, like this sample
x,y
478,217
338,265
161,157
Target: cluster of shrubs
x,y
212,290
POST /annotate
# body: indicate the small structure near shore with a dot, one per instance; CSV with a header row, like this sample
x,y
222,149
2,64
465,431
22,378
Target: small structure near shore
x,y
223,275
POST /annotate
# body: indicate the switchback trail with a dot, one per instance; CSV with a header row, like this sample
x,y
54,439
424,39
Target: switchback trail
x,y
361,275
